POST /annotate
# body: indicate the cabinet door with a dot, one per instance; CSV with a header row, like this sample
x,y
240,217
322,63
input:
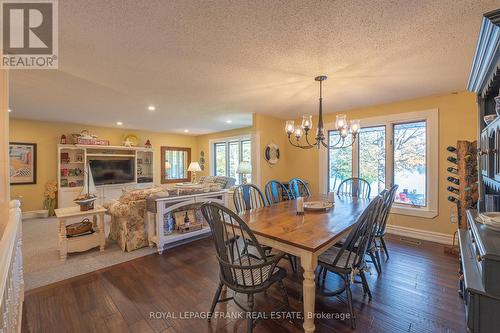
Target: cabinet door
x,y
483,160
495,156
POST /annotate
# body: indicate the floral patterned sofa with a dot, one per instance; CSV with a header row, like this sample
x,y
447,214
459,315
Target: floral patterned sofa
x,y
128,218
128,214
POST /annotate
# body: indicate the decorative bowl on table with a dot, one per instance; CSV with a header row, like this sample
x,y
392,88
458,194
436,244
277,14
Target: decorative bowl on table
x,y
318,205
489,118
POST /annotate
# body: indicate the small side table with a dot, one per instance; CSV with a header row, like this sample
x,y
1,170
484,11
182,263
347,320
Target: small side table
x,y
85,242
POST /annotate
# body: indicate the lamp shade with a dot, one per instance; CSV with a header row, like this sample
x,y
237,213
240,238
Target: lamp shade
x,y
194,166
168,165
244,168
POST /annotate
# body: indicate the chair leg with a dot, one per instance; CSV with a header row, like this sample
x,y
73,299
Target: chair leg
x,y
366,287
292,264
379,263
250,319
385,248
347,284
284,293
215,300
375,262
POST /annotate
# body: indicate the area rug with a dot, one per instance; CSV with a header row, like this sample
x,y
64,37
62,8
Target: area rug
x,y
41,255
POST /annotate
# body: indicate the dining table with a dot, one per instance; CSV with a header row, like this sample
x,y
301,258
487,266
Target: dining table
x,y
306,236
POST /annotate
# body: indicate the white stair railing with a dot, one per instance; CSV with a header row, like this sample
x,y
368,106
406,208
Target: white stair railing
x,y
11,272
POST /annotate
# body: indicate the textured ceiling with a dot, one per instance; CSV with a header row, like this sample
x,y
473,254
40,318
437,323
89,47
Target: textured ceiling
x,y
204,62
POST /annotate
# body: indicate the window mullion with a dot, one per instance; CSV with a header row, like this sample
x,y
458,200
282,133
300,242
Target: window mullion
x,y
389,155
355,159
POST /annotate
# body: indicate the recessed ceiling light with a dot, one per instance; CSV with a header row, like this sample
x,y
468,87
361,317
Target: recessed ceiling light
x,y
119,123
10,110
229,121
151,108
186,131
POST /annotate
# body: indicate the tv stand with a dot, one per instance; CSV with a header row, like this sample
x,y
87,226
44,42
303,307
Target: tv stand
x,y
73,158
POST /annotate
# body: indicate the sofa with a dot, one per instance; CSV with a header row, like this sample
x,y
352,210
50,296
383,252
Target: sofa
x,y
128,213
128,218
223,181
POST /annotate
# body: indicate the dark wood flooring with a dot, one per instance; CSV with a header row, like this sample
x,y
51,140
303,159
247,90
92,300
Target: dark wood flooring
x,y
417,292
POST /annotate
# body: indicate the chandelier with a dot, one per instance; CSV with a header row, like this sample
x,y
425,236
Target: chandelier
x,y
341,125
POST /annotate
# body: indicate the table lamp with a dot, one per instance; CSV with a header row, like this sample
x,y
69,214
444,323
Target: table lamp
x,y
244,168
194,167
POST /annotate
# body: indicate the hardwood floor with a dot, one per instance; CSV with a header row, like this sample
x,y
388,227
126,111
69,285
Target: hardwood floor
x,y
417,292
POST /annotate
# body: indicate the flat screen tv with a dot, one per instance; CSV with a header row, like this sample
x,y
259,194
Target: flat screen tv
x,y
112,171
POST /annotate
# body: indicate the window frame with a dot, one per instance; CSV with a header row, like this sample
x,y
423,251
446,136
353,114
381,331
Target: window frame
x,y
227,142
431,117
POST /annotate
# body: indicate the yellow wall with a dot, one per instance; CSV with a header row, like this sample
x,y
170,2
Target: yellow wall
x,y
47,134
457,121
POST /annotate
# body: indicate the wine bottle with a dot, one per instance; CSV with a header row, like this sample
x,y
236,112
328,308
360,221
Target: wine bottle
x,y
452,170
453,180
453,189
451,149
452,159
453,199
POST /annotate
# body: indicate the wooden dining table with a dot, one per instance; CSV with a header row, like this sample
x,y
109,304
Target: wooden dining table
x,y
305,236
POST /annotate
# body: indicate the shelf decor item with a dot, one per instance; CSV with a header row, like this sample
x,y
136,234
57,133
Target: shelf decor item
x,y
85,138
321,140
22,163
87,196
148,144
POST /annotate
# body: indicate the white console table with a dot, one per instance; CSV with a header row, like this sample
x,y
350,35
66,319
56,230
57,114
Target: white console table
x,y
158,208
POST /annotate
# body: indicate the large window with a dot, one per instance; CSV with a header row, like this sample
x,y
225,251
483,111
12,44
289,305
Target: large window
x,y
339,162
397,149
371,147
228,154
409,144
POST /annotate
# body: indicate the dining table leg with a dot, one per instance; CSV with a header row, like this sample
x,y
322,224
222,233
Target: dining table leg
x,y
308,262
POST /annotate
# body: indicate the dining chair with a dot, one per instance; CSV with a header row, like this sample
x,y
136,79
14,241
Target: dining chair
x,y
247,197
276,192
348,261
380,232
241,271
298,188
354,187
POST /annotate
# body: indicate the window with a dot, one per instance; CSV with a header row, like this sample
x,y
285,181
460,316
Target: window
x,y
339,162
397,149
371,147
227,154
409,144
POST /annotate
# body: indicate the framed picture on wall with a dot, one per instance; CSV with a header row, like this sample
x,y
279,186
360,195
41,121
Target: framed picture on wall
x,y
22,163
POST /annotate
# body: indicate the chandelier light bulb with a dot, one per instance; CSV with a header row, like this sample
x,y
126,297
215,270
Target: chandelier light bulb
x,y
298,132
343,132
307,122
355,126
289,127
340,121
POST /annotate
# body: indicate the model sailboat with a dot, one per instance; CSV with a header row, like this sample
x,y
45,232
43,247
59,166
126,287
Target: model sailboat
x,y
87,196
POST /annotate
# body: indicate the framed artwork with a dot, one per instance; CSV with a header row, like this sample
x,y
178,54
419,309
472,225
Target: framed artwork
x,y
22,163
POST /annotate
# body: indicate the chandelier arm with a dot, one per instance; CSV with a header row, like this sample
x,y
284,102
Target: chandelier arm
x,y
311,145
353,140
298,145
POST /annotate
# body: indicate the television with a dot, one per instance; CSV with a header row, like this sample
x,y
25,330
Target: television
x,y
112,170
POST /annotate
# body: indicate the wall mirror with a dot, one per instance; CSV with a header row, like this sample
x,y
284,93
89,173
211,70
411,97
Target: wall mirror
x,y
174,164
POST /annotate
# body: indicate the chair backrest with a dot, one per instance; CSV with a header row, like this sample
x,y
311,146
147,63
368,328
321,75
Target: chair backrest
x,y
247,197
232,237
354,187
388,201
353,250
298,188
276,192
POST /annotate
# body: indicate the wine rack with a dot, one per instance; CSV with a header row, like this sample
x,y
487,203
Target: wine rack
x,y
462,181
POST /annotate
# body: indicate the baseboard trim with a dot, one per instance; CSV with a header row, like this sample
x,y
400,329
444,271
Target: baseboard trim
x,y
35,214
430,236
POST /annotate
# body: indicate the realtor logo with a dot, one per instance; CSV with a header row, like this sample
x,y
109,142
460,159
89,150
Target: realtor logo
x,y
29,37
